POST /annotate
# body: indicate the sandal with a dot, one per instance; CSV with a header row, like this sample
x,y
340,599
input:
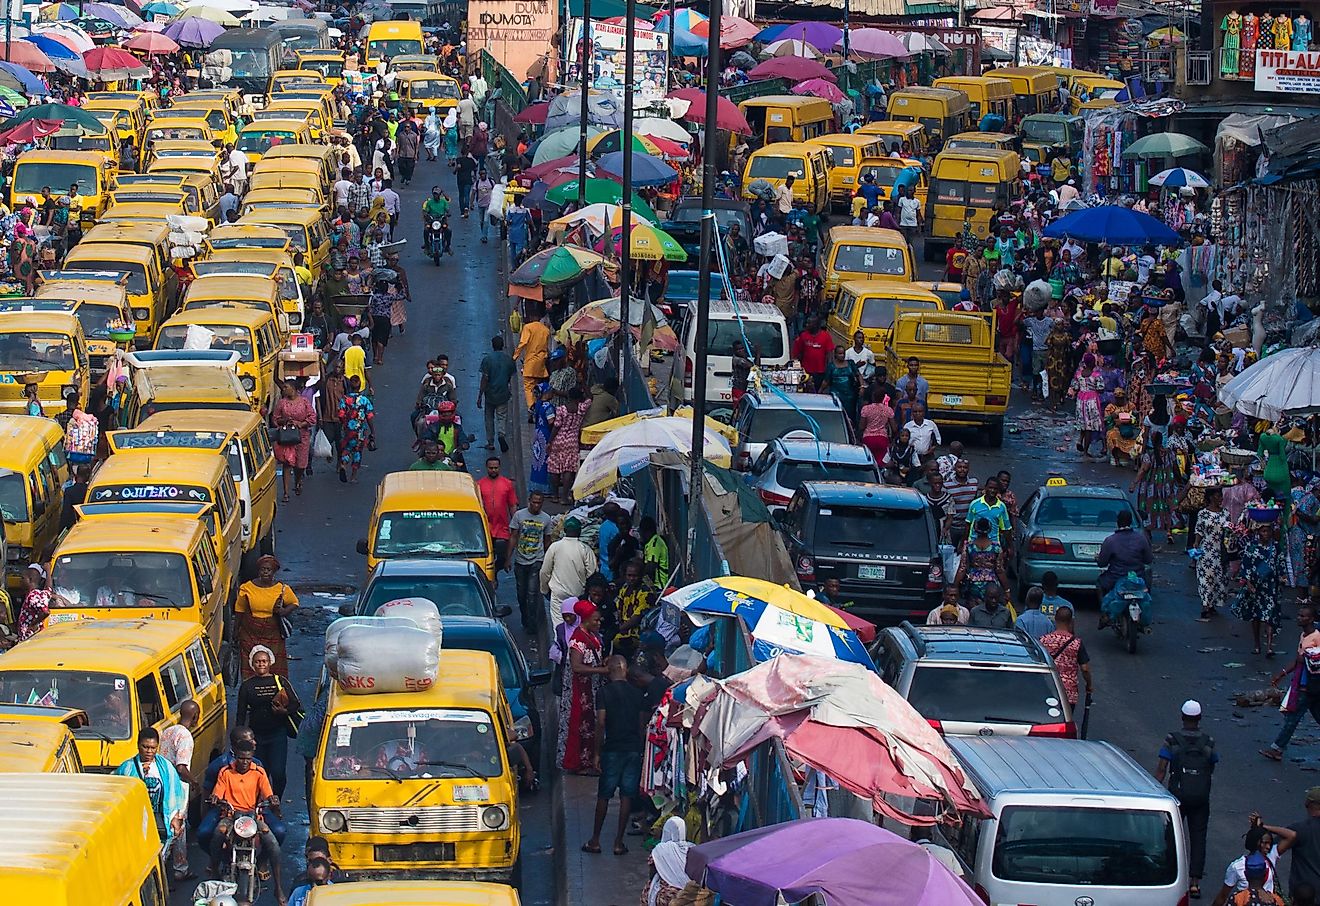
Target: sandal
x,y
297,490
620,849
588,848
284,498
1272,754
1194,891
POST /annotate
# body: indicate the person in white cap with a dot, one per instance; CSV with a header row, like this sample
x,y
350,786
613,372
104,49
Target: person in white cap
x,y
1188,760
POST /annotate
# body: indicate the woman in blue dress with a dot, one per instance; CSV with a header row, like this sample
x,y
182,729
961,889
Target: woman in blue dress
x,y
543,417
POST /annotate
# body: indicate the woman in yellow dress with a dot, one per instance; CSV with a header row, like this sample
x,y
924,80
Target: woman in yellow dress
x,y
260,605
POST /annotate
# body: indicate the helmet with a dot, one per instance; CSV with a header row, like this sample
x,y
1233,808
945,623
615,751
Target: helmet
x,y
447,406
222,900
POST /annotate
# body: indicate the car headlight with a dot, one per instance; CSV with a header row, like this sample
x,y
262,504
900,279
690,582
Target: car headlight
x,y
333,821
523,729
248,383
493,817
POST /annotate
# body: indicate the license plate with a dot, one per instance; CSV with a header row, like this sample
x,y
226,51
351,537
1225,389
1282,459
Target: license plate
x,y
952,400
414,852
1086,550
870,572
63,618
471,792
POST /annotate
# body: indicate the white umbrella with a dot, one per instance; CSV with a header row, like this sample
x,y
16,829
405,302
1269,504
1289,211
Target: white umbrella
x,y
73,35
268,14
1285,383
627,449
916,42
660,128
1179,177
236,7
790,47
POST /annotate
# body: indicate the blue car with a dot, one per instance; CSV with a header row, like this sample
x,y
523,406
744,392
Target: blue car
x,y
491,636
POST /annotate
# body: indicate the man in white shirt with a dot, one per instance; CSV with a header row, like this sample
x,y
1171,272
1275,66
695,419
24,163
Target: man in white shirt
x,y
1145,264
238,161
1207,314
784,199
343,187
925,434
564,571
909,214
861,355
391,201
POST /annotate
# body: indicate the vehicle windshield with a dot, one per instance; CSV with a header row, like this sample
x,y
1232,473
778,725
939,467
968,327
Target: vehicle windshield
x,y
78,141
878,312
725,217
250,62
137,273
842,155
1081,512
453,595
106,697
683,285
496,645
1085,846
768,167
13,496
450,533
792,474
30,177
899,532
29,351
870,259
121,579
768,336
248,243
259,141
207,336
767,424
96,317
384,48
431,89
997,695
171,133
420,743
1053,132
332,69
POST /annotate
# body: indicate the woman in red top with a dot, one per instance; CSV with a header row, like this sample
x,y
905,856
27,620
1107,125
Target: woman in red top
x,y
877,424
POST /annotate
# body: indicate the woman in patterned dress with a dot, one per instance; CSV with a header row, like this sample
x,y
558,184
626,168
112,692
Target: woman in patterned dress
x,y
564,444
356,417
583,679
1156,485
982,563
543,417
1305,523
1212,531
1258,600
1087,387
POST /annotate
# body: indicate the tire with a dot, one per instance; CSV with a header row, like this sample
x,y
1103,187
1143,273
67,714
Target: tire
x,y
996,433
1130,632
435,256
243,877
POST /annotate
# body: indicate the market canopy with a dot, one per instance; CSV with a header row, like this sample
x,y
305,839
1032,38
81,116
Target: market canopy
x,y
628,449
795,69
1178,177
821,35
609,9
555,266
875,42
61,113
646,170
606,191
1286,382
1113,224
727,114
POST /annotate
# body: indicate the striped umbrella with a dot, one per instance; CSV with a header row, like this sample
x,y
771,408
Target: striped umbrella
x,y
1177,177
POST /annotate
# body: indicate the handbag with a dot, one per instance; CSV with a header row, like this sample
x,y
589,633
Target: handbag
x,y
293,720
286,625
288,436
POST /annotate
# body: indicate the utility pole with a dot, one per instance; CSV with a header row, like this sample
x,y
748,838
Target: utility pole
x,y
584,102
625,145
696,478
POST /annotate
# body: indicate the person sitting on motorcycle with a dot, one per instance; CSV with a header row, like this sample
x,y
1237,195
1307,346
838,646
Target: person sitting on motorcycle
x,y
1125,551
210,818
436,387
242,787
449,431
437,208
431,459
1127,590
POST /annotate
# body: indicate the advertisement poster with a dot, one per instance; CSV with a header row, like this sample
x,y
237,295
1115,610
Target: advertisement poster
x,y
517,34
1292,71
650,58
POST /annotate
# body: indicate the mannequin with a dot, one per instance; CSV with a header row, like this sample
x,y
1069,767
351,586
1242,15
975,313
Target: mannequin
x,y
1232,28
1265,32
1283,32
1250,34
1301,38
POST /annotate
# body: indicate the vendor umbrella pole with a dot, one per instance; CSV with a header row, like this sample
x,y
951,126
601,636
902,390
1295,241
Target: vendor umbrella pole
x,y
584,61
697,477
625,142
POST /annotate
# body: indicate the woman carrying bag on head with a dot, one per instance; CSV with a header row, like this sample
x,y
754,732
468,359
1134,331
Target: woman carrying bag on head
x,y
263,606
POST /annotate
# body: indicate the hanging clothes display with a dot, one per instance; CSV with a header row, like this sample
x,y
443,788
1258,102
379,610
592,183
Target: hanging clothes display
x,y
1247,57
1232,28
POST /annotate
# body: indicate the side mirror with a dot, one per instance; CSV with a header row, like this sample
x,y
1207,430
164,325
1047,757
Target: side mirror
x,y
347,610
362,546
538,677
503,610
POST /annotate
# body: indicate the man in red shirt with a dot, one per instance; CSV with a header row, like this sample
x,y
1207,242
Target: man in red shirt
x,y
954,261
499,498
813,349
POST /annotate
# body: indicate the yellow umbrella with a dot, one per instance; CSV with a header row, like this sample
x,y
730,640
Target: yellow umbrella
x,y
645,243
639,143
784,598
1166,34
597,216
210,14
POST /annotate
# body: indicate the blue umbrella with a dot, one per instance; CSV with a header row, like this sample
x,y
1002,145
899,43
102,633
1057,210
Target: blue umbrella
x,y
1179,177
687,44
28,82
1114,224
160,8
771,33
646,170
52,48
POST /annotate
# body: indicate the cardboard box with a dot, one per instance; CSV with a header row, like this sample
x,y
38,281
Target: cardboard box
x,y
296,363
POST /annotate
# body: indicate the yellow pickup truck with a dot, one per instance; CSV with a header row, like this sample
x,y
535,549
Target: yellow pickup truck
x,y
969,380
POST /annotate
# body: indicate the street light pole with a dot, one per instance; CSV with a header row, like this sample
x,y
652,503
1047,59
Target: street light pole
x,y
696,477
584,102
625,145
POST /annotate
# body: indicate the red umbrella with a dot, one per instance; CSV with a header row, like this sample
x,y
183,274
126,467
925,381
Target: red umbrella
x,y
795,69
865,630
534,114
669,148
29,131
727,116
532,174
27,55
112,63
152,44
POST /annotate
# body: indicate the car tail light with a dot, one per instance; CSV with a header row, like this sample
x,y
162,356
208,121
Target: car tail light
x,y
664,307
806,568
1055,731
935,578
996,401
1039,544
936,726
1184,901
687,374
772,499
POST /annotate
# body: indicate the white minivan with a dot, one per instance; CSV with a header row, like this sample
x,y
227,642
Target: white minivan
x,y
1072,822
760,323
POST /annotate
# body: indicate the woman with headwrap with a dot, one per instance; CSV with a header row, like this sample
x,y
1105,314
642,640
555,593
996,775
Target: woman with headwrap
x,y
1087,387
432,134
265,702
669,859
260,606
165,791
583,677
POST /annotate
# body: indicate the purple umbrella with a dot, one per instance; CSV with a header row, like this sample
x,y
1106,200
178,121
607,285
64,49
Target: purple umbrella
x,y
820,35
113,13
839,858
875,42
795,69
193,32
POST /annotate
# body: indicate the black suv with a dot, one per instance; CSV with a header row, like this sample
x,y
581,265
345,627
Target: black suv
x,y
877,540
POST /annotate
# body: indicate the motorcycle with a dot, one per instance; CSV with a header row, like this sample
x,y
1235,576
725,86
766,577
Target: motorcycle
x,y
242,849
1128,607
436,241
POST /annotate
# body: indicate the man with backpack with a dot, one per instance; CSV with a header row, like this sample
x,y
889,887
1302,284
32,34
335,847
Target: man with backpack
x,y
1188,759
1256,870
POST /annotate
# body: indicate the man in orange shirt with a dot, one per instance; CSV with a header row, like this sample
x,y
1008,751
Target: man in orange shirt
x,y
533,351
241,787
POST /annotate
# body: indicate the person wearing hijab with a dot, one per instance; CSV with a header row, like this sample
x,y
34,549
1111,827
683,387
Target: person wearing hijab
x,y
669,859
584,673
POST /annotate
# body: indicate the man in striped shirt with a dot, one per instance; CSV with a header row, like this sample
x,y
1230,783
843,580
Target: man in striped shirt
x,y
962,489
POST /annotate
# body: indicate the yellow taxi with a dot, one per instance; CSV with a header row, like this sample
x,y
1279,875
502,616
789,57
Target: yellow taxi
x,y
428,514
59,170
37,747
43,349
33,469
257,137
150,291
249,331
329,63
427,91
307,232
847,151
414,893
101,306
869,306
851,252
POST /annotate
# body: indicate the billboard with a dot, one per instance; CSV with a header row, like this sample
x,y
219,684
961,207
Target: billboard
x,y
650,58
515,32
1291,71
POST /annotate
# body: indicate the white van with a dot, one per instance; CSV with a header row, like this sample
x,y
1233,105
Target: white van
x,y
1072,821
761,323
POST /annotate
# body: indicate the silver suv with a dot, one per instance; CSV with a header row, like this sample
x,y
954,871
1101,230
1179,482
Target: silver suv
x,y
787,462
760,418
971,681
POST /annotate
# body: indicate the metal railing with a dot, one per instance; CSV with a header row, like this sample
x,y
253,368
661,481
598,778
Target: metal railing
x,y
511,91
1196,67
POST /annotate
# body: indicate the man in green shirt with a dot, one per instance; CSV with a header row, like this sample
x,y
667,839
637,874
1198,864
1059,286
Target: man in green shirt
x,y
431,460
655,552
437,206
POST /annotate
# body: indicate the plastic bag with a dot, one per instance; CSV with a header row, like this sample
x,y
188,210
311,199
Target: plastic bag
x,y
386,658
334,629
322,448
421,612
497,196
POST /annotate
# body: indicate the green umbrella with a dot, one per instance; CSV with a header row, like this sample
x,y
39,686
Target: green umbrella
x,y
604,191
1165,144
561,264
63,113
16,99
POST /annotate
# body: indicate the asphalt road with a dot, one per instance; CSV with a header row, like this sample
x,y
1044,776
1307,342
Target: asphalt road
x,y
456,308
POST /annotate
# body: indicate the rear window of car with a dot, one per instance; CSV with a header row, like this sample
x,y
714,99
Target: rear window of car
x,y
985,695
792,474
1081,512
899,532
768,336
1104,847
767,424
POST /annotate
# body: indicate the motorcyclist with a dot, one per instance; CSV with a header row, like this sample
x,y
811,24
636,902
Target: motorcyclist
x,y
437,208
242,787
1125,551
1116,601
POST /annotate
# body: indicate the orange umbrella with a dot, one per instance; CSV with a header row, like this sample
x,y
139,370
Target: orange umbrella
x,y
152,44
27,55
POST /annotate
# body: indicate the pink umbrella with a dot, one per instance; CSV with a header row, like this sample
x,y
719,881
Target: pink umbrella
x,y
819,88
727,115
874,42
735,31
152,44
27,55
112,64
795,69
534,114
30,130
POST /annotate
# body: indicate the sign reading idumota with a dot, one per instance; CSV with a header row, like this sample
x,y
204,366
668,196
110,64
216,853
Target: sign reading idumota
x,y
515,32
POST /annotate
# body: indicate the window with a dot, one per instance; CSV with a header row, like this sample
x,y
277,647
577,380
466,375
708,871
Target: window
x,y
771,423
104,696
842,155
766,167
173,678
13,496
152,892
1000,695
960,334
879,312
240,459
57,458
871,259
897,532
39,351
198,670
149,706
1092,846
448,533
38,494
721,334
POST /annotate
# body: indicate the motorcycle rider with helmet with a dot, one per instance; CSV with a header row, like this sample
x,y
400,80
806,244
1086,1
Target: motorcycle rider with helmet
x,y
436,208
242,787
